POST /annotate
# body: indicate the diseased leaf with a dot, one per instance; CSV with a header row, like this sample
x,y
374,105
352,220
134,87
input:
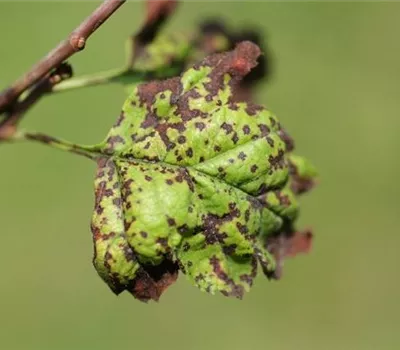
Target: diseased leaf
x,y
164,56
159,55
197,180
302,173
287,243
215,36
157,13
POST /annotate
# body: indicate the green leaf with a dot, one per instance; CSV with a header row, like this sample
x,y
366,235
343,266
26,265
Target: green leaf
x,y
162,58
193,179
164,53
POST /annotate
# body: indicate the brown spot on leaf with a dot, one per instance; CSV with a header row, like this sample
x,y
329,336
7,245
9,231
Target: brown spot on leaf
x,y
289,142
227,127
117,202
270,141
108,192
299,184
253,109
189,152
264,129
200,125
114,140
171,222
235,138
163,242
217,148
181,139
236,290
152,281
242,156
246,129
277,162
150,121
120,119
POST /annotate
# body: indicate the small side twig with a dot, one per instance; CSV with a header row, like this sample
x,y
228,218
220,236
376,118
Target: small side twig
x,y
52,74
44,86
157,13
36,77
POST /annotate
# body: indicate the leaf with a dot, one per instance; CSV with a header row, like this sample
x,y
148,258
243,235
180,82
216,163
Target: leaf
x,y
193,179
158,11
215,36
303,174
158,55
163,57
288,243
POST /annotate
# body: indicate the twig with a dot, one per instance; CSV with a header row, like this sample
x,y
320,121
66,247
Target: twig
x,y
157,13
117,75
48,75
91,152
8,125
89,80
74,43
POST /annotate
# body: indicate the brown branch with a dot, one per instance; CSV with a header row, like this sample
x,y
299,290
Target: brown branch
x,y
8,126
74,43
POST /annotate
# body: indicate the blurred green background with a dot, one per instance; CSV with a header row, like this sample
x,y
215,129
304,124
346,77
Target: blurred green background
x,y
335,87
